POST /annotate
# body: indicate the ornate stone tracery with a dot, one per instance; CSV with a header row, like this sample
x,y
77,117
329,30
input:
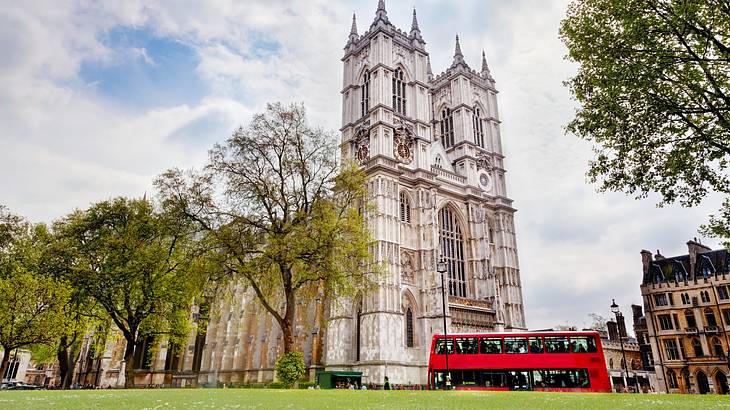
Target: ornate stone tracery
x,y
403,141
361,143
484,162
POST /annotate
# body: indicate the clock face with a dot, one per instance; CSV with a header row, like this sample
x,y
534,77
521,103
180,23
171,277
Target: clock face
x,y
485,182
404,152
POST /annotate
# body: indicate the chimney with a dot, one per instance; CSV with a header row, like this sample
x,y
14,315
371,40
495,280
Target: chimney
x,y
658,256
694,248
621,325
638,312
645,260
612,330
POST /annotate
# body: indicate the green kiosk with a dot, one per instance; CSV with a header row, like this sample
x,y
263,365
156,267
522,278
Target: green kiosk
x,y
330,379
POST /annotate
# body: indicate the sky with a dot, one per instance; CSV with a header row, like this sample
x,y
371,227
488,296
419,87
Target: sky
x,y
97,98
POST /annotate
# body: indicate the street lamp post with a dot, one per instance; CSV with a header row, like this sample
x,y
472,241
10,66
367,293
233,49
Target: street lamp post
x,y
441,268
617,312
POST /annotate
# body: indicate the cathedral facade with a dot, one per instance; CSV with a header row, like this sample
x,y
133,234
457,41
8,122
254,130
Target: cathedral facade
x,y
431,147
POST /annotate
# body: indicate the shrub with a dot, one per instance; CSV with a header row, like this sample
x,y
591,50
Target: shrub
x,y
289,368
306,384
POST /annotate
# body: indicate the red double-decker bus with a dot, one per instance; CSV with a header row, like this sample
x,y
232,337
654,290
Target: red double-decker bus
x,y
542,361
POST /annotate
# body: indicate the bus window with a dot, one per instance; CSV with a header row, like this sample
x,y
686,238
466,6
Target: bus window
x,y
556,344
582,344
439,349
493,378
466,345
469,378
538,379
515,344
536,345
490,345
565,378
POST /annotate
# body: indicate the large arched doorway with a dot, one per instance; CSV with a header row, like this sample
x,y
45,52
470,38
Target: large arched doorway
x,y
703,384
721,383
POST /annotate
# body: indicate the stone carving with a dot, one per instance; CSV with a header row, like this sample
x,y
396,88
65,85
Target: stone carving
x,y
407,272
484,162
403,141
363,60
361,144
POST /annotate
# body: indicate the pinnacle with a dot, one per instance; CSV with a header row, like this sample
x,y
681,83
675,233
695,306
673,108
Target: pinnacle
x,y
414,24
353,30
457,51
381,14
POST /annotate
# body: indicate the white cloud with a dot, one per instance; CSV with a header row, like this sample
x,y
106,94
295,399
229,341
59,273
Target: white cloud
x,y
63,146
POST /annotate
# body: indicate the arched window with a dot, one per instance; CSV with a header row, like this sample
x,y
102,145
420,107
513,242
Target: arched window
x,y
623,364
610,363
705,296
409,328
365,94
710,317
452,249
399,92
447,128
689,316
439,161
697,347
405,208
478,127
685,298
672,379
717,347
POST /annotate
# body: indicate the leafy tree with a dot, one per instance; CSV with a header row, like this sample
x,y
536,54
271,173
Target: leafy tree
x,y
281,212
140,265
30,304
290,368
598,322
654,89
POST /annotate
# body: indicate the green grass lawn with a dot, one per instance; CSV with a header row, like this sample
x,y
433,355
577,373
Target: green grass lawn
x,y
345,399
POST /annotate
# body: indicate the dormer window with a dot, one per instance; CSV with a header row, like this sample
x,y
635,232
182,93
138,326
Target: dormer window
x,y
365,94
399,92
478,128
447,128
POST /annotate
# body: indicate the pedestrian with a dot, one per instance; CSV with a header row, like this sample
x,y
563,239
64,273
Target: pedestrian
x,y
386,385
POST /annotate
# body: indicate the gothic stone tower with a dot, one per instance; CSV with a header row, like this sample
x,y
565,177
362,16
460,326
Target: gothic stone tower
x,y
432,150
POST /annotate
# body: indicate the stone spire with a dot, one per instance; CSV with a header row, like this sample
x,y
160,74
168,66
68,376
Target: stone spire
x,y
458,56
381,14
414,24
485,67
415,30
353,31
428,68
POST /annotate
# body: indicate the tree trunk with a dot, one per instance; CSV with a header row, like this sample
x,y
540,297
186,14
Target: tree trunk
x,y
129,363
63,365
287,325
4,363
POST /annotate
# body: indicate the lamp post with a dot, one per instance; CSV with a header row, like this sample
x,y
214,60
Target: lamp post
x,y
617,312
441,268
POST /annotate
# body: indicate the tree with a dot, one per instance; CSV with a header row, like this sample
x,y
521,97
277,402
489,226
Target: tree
x,y
654,89
598,322
282,213
140,265
30,304
290,368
